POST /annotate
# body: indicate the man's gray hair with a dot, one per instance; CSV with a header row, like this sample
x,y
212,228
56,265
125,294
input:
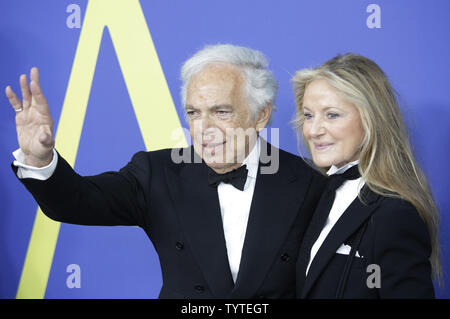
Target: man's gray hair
x,y
260,83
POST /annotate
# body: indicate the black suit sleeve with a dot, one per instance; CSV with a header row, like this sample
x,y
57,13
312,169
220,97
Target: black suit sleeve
x,y
402,248
111,198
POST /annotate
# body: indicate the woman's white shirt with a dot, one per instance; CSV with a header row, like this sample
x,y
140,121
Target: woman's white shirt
x,y
345,195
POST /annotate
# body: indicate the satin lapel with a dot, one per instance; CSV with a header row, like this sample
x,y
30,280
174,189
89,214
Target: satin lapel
x,y
198,208
276,201
350,221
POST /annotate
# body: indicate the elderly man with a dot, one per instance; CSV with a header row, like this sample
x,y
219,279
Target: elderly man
x,y
222,226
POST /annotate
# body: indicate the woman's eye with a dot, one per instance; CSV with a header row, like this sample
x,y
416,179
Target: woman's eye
x,y
307,116
332,115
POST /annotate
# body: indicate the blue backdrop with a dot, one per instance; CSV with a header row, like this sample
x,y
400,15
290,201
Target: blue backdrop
x,y
412,46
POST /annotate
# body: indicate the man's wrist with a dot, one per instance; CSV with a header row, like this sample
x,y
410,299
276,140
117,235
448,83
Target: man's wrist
x,y
28,171
38,163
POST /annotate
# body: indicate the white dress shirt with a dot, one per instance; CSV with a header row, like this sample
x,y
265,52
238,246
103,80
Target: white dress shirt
x,y
345,195
234,204
235,209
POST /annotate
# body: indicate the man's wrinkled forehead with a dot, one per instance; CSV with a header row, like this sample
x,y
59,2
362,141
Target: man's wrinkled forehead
x,y
214,89
216,75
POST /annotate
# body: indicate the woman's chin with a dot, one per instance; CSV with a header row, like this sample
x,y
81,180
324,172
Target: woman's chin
x,y
322,163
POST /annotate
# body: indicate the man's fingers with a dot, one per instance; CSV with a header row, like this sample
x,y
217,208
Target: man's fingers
x,y
26,94
37,93
13,99
35,86
34,75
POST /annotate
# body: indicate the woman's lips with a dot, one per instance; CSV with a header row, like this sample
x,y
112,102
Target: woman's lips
x,y
322,146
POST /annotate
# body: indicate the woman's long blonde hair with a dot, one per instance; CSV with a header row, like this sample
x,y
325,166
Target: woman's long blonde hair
x,y
386,161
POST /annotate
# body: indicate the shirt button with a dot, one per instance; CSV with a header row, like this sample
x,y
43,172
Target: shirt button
x,y
199,288
285,257
179,245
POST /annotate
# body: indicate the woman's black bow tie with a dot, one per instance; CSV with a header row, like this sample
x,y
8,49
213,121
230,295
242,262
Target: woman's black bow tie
x,y
336,180
236,177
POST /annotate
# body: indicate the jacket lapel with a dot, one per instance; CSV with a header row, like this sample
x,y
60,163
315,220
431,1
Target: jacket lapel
x,y
198,208
276,201
355,215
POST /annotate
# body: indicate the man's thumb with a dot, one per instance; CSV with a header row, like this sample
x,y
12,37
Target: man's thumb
x,y
46,139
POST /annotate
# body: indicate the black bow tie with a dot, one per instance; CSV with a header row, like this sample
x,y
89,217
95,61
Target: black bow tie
x,y
236,177
336,180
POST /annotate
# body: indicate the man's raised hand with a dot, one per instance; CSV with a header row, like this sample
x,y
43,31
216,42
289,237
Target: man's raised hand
x,y
34,123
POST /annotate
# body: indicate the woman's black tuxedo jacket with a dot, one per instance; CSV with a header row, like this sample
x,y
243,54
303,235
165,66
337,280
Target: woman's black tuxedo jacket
x,y
180,213
396,239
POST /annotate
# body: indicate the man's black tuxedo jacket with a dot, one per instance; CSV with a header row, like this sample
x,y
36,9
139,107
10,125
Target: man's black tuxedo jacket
x,y
180,213
396,239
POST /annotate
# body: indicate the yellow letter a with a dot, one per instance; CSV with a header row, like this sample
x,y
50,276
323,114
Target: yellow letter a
x,y
150,97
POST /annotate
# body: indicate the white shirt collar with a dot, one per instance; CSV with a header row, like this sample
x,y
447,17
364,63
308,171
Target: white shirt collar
x,y
334,170
252,160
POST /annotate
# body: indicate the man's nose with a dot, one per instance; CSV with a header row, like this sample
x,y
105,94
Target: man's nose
x,y
204,123
206,127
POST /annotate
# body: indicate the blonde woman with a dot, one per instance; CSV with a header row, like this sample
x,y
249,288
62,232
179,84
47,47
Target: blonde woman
x,y
374,233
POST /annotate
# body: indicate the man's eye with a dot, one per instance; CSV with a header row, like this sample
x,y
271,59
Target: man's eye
x,y
223,113
191,113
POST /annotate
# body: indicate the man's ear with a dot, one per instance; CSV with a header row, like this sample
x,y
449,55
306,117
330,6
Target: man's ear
x,y
263,117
